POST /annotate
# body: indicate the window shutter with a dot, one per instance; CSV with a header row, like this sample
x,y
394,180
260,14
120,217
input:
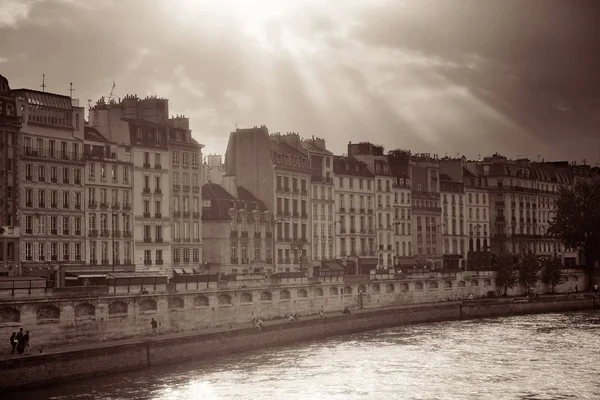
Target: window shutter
x,y
59,225
35,252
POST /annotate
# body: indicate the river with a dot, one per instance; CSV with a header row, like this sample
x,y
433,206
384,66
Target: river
x,y
549,356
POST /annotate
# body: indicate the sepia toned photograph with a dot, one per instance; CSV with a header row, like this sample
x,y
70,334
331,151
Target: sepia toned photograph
x,y
299,199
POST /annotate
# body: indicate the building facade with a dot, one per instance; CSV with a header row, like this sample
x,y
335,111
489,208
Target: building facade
x,y
185,207
52,166
238,230
355,213
322,199
279,174
399,162
108,203
151,197
426,208
10,231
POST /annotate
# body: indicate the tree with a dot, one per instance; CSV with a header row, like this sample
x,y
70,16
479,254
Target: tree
x,y
552,272
529,268
577,220
506,271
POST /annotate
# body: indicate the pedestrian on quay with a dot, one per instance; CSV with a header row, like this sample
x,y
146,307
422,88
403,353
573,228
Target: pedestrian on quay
x,y
26,342
154,325
20,342
13,341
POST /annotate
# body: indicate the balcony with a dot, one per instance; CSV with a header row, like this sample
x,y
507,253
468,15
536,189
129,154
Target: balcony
x,y
78,206
269,261
147,262
104,205
126,234
115,206
78,181
105,261
29,204
195,189
127,207
146,191
159,262
233,233
146,215
389,247
342,230
342,209
77,233
234,261
65,181
257,235
66,206
304,192
295,215
158,240
104,233
92,204
304,216
146,165
352,230
65,232
116,233
93,233
42,204
157,191
245,234
186,188
176,187
53,205
196,215
158,215
176,214
127,262
147,240
29,178
186,214
52,154
157,166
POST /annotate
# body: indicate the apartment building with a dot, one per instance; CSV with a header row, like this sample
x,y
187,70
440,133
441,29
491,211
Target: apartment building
x,y
454,213
51,203
10,233
279,175
238,230
185,207
322,198
355,219
108,203
478,212
426,208
399,162
151,196
522,204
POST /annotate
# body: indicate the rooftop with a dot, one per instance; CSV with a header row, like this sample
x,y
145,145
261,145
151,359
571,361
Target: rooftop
x,y
44,99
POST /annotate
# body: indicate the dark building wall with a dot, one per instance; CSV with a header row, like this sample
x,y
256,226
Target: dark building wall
x,y
248,158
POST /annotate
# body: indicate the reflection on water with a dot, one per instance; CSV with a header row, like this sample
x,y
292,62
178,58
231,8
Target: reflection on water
x,y
551,356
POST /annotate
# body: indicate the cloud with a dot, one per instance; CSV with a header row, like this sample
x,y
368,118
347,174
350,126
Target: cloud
x,y
429,75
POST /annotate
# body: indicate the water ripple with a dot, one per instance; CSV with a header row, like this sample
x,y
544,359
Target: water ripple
x,y
551,356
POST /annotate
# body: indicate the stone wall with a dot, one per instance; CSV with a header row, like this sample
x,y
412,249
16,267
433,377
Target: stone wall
x,y
56,321
106,358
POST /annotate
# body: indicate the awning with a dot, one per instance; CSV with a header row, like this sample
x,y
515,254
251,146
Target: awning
x,y
406,262
187,271
332,267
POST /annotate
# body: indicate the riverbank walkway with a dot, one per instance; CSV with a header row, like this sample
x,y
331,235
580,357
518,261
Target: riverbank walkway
x,y
5,353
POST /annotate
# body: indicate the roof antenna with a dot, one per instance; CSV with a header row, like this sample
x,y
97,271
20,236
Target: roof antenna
x,y
43,85
112,90
71,90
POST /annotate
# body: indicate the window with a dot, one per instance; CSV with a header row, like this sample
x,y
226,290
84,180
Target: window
x,y
175,158
126,174
114,173
103,171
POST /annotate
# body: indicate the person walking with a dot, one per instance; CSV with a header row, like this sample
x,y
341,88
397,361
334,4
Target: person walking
x,y
20,343
26,342
13,341
154,325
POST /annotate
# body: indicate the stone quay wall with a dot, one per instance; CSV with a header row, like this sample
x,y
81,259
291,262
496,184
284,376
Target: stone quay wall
x,y
43,369
59,321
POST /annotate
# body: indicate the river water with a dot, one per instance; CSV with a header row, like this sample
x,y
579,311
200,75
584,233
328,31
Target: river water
x,y
549,356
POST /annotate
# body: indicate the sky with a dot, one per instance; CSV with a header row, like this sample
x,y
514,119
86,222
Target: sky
x,y
448,77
